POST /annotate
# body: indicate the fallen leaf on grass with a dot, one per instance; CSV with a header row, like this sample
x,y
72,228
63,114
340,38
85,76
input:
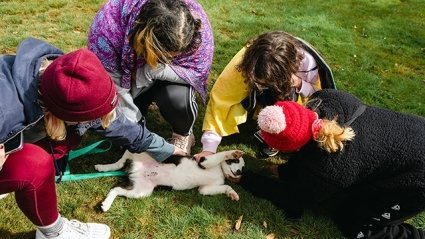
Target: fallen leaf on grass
x,y
265,224
238,223
271,236
294,231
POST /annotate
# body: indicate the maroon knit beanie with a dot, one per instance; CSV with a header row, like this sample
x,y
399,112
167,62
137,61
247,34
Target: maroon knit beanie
x,y
286,126
75,87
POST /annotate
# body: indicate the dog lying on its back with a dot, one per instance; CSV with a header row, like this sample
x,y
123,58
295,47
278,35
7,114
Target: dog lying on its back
x,y
179,172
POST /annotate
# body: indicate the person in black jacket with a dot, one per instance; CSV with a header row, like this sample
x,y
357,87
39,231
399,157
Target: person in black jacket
x,y
363,166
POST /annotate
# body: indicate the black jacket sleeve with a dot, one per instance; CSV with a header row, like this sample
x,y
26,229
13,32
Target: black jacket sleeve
x,y
276,191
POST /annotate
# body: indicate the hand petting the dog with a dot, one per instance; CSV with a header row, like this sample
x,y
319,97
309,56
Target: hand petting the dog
x,y
198,156
3,155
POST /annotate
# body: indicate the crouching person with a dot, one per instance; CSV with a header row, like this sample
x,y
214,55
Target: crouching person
x,y
53,99
362,165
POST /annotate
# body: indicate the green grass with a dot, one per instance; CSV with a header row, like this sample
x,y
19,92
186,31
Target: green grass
x,y
375,48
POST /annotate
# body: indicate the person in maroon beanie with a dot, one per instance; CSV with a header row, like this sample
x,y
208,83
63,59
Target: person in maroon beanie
x,y
51,99
361,165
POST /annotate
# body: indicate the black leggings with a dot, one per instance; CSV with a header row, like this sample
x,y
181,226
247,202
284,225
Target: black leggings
x,y
176,103
381,216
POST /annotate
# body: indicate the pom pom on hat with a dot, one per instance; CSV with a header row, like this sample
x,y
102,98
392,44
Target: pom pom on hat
x,y
272,120
76,87
286,126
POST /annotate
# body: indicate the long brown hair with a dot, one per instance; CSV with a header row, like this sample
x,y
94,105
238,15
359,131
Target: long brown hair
x,y
269,62
163,28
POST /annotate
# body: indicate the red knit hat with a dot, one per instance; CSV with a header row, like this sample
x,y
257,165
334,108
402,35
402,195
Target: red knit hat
x,y
286,126
75,87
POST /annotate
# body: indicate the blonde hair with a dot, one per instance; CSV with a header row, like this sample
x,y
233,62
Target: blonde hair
x,y
148,46
56,128
164,28
332,135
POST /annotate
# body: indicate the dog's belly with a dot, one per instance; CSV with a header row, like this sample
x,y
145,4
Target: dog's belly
x,y
186,175
191,176
158,174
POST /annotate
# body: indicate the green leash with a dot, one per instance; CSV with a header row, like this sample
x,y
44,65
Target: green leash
x,y
94,148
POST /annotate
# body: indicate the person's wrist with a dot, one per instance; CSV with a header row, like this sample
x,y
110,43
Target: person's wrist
x,y
296,82
298,85
3,155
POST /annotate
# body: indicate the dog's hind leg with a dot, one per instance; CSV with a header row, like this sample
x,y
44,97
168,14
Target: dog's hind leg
x,y
138,191
219,189
114,166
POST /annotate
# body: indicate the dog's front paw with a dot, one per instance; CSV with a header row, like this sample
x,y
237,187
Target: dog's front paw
x,y
233,195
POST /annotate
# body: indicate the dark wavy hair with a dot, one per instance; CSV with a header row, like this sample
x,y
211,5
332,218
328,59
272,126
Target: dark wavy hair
x,y
269,62
164,28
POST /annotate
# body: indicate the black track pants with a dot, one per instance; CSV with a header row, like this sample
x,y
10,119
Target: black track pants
x,y
176,103
381,216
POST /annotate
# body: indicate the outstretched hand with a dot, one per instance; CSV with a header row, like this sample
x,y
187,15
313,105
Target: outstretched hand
x,y
273,170
3,155
198,156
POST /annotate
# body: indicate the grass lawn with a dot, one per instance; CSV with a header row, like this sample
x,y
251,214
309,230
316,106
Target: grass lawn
x,y
376,49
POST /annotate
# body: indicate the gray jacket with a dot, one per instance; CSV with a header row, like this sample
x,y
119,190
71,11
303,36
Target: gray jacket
x,y
19,110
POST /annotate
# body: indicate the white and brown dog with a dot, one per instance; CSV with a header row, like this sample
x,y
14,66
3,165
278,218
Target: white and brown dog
x,y
178,172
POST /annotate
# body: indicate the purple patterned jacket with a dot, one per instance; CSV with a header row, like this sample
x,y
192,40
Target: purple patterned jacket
x,y
108,39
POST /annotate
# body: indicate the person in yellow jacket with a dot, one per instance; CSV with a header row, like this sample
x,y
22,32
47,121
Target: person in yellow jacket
x,y
273,66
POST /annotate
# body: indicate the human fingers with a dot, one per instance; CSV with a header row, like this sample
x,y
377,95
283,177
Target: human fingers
x,y
198,156
3,155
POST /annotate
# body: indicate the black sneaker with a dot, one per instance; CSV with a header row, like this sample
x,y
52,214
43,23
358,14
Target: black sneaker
x,y
268,152
264,149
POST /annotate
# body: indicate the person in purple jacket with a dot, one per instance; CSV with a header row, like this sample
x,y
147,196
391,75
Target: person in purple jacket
x,y
156,51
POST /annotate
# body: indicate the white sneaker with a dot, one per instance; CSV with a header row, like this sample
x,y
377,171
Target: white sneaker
x,y
77,230
184,142
3,195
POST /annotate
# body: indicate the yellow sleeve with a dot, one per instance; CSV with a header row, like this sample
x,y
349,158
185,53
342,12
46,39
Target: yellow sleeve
x,y
224,110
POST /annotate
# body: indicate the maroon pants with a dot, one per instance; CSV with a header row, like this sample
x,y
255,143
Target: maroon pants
x,y
30,174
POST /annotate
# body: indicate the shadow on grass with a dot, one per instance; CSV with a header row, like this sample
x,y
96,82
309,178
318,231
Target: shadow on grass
x,y
4,234
188,209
